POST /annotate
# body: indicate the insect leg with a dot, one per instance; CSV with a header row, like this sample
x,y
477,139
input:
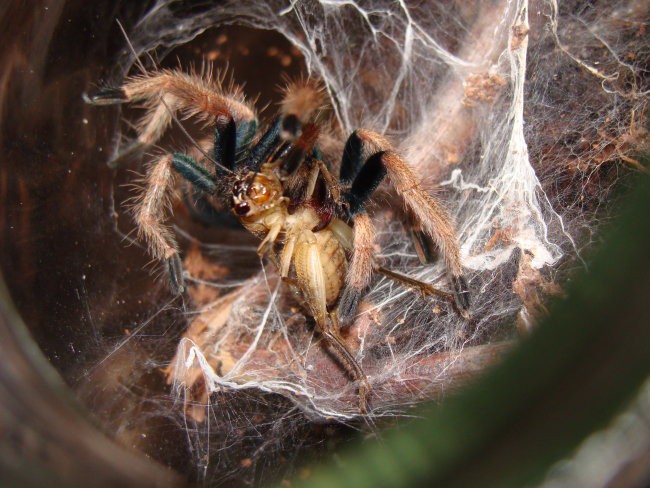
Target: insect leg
x,y
332,185
333,336
267,243
287,256
425,288
424,245
427,253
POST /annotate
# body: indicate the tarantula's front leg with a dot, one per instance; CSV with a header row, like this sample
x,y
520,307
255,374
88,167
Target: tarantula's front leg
x,y
367,159
166,92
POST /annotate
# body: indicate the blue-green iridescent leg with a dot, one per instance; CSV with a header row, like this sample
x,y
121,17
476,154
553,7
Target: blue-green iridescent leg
x,y
193,172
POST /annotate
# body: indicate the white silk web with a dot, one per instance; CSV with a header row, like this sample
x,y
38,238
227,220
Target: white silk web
x,y
521,115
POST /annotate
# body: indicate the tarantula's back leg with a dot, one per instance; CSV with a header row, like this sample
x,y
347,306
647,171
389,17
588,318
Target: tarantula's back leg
x,y
301,109
166,92
427,253
381,160
303,101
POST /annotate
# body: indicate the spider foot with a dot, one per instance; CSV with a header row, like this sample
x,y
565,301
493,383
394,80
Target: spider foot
x,y
364,390
461,295
348,305
106,96
175,271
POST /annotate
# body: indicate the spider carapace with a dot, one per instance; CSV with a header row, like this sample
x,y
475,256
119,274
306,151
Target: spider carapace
x,y
313,226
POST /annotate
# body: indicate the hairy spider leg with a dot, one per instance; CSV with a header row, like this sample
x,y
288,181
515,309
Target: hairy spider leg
x,y
367,159
150,211
359,272
303,100
434,221
151,208
361,187
363,180
301,105
193,172
225,146
264,148
166,92
232,142
300,108
352,159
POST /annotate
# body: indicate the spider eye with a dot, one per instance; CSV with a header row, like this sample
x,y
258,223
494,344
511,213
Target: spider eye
x,y
242,208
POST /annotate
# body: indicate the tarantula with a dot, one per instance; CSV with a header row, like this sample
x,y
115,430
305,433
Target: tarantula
x,y
313,227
